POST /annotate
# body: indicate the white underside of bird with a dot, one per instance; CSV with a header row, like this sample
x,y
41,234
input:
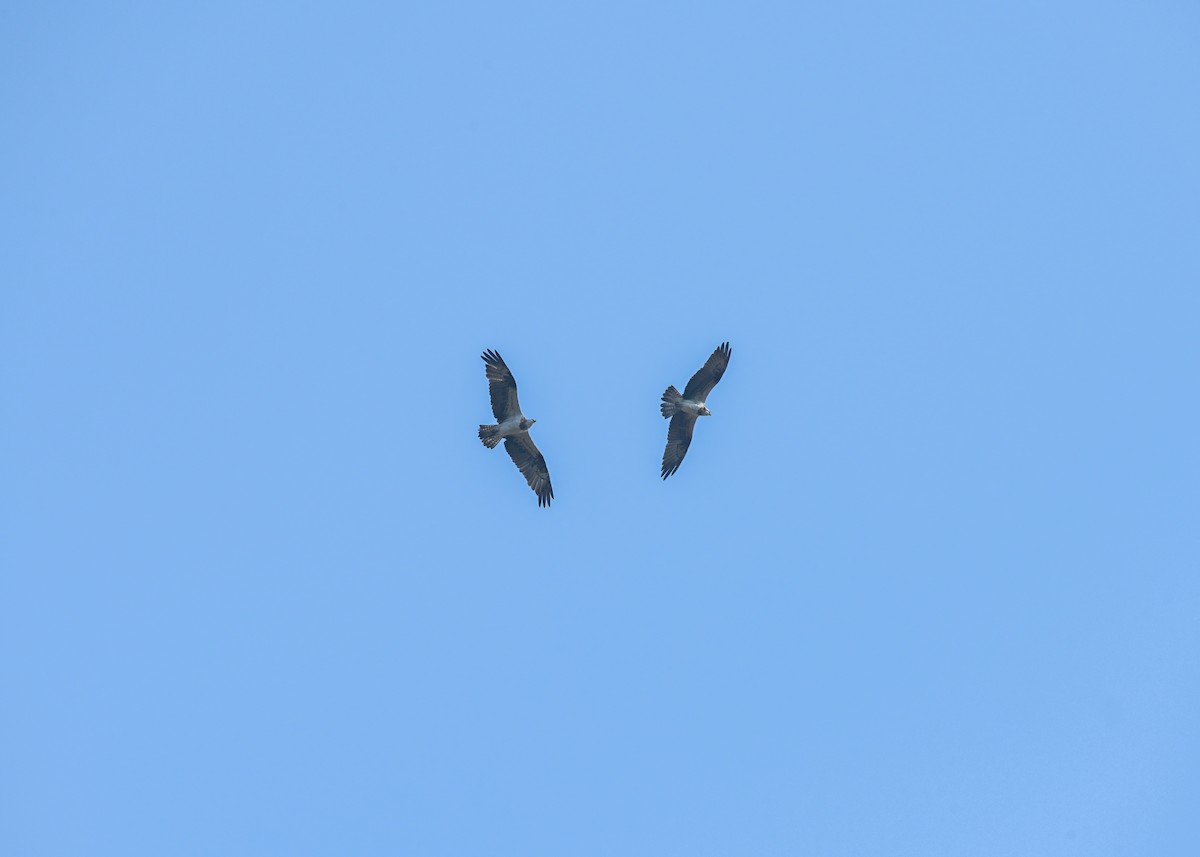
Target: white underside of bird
x,y
674,403
511,426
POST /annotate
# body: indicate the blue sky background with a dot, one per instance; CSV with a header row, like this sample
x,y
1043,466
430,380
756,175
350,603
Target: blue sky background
x,y
926,584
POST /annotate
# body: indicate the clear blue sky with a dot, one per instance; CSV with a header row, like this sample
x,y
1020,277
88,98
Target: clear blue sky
x,y
928,582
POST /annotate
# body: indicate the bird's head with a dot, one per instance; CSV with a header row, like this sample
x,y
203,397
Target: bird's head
x,y
526,423
704,411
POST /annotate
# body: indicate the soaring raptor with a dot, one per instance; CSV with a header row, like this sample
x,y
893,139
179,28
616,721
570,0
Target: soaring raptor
x,y
513,428
684,408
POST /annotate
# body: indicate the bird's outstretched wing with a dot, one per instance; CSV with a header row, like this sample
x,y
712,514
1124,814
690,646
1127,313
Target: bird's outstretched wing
x,y
502,386
679,438
710,373
532,464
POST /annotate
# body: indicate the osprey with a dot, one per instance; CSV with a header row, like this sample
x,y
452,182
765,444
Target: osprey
x,y
513,428
684,408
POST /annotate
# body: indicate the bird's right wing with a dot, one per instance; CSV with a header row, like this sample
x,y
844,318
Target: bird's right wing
x,y
679,438
708,375
502,386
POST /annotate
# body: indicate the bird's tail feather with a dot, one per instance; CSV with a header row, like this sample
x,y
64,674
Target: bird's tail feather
x,y
490,435
670,400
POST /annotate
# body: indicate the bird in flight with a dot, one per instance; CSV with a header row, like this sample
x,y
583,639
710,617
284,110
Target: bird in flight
x,y
513,428
683,409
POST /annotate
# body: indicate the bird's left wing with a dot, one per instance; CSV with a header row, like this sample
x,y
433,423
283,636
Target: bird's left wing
x,y
532,464
679,438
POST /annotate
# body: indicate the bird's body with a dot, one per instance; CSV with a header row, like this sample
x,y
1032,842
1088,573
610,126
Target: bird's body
x,y
689,407
513,428
683,409
492,435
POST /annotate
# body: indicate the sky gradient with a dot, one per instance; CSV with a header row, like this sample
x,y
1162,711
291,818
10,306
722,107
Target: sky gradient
x,y
926,583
